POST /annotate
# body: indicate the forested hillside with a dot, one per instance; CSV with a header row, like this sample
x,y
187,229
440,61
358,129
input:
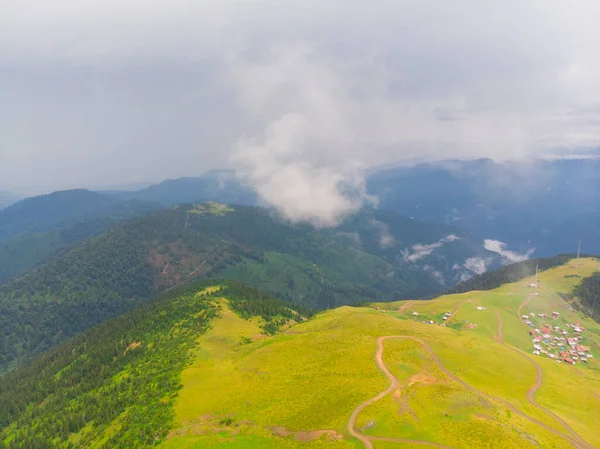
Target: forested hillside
x,y
23,252
109,274
509,273
215,185
115,384
588,293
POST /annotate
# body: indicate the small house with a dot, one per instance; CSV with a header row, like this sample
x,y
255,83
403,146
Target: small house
x,y
555,315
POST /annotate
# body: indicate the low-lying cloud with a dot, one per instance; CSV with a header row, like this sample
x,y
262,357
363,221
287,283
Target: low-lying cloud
x,y
420,251
435,275
499,247
477,265
386,240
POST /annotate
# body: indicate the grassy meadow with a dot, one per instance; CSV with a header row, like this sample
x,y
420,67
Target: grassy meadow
x,y
298,388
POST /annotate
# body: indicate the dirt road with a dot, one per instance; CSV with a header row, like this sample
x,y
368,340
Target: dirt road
x,y
367,440
523,304
538,378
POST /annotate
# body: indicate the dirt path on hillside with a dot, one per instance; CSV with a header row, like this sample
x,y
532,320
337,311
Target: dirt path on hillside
x,y
538,378
500,335
367,440
394,382
455,310
403,307
523,304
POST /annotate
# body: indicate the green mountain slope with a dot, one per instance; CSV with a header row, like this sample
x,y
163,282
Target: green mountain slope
x,y
60,210
201,368
509,273
37,228
114,385
23,252
215,185
586,296
111,273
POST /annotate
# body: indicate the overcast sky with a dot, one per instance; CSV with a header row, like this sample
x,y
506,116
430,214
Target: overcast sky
x,y
107,92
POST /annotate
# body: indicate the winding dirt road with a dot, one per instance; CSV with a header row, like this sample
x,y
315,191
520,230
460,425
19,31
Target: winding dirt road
x,y
538,378
394,382
368,440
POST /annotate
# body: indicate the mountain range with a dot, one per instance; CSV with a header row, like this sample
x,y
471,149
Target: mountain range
x,y
219,364
373,255
7,198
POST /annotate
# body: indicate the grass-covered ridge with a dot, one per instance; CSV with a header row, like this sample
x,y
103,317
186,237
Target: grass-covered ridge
x,y
201,368
115,384
108,274
509,273
299,388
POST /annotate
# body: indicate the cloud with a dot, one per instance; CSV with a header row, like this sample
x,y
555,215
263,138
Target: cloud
x,y
477,265
386,240
300,190
499,247
314,90
419,251
436,275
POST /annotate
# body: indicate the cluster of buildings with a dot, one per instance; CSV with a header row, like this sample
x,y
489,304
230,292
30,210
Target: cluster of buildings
x,y
563,345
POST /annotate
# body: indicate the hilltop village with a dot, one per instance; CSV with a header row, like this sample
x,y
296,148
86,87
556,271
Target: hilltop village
x,y
560,344
564,344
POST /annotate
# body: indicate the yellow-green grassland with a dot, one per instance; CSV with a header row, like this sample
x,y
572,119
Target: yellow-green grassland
x,y
468,381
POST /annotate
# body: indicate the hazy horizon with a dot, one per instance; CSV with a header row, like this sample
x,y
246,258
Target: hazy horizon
x,y
301,99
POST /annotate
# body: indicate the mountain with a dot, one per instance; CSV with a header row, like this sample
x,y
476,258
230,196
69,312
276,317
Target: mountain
x,y
446,254
509,273
23,252
7,198
124,371
38,228
518,202
58,210
106,275
217,185
221,365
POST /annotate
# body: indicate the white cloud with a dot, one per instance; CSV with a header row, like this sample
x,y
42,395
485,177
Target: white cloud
x,y
436,275
306,90
477,265
419,251
386,240
500,247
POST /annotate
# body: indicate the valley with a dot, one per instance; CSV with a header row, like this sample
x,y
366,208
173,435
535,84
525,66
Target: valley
x,y
455,372
133,260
